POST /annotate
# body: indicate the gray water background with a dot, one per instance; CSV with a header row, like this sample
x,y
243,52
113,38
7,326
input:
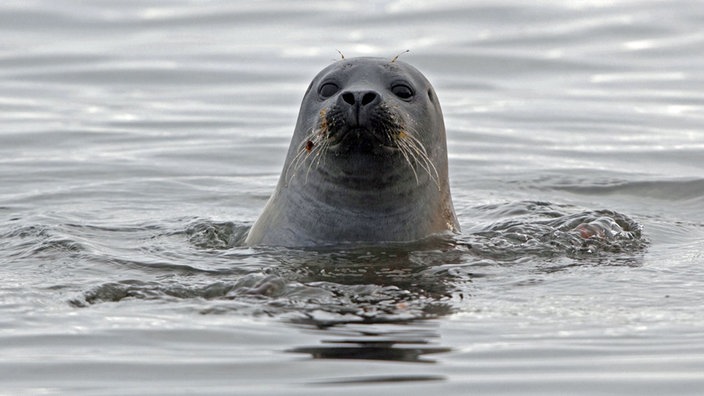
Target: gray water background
x,y
140,139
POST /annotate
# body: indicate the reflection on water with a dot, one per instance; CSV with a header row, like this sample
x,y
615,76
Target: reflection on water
x,y
404,341
372,350
380,379
403,344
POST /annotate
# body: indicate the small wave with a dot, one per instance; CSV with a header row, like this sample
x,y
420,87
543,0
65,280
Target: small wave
x,y
325,304
362,284
251,285
213,235
545,230
200,263
669,190
328,288
39,241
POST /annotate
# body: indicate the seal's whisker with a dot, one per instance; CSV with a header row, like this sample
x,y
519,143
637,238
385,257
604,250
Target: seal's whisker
x,y
297,160
324,146
411,147
427,165
319,154
405,152
310,144
318,149
396,133
294,164
424,162
407,155
423,153
312,149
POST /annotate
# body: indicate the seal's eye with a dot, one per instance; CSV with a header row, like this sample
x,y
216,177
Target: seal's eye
x,y
328,89
403,91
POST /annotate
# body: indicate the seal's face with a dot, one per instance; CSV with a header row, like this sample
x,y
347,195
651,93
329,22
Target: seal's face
x,y
367,161
364,112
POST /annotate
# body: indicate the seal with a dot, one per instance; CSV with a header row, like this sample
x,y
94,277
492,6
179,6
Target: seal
x,y
367,162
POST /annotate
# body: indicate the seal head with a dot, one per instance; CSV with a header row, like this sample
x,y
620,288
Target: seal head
x,y
367,162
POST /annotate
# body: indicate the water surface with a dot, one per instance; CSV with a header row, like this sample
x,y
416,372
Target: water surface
x,y
140,140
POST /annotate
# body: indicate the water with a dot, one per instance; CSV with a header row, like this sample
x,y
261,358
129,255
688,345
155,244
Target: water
x,y
139,140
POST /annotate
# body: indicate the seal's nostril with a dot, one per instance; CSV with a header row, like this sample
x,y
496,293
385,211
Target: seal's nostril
x,y
359,98
368,98
348,97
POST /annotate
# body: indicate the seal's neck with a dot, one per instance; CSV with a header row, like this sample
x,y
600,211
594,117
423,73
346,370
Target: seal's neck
x,y
366,184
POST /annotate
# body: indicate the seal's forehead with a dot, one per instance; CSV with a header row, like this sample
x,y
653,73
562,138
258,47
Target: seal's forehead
x,y
371,66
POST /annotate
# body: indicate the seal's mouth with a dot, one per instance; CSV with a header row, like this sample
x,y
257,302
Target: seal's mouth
x,y
362,140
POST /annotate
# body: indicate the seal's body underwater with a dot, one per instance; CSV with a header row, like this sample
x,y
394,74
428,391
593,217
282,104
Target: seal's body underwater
x,y
367,162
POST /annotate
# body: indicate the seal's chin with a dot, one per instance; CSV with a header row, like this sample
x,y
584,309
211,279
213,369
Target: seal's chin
x,y
362,141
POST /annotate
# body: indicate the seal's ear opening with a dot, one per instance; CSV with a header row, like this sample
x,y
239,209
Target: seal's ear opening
x,y
430,95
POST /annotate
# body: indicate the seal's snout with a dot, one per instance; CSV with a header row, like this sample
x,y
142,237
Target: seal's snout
x,y
359,105
360,120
